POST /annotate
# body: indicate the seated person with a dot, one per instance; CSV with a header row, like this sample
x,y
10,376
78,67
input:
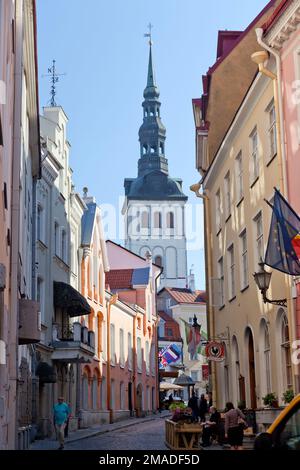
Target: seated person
x,y
177,414
211,427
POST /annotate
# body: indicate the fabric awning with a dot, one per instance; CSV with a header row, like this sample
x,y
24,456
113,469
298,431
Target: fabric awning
x,y
68,298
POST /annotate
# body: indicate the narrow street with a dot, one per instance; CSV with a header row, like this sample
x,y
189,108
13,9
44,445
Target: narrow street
x,y
144,436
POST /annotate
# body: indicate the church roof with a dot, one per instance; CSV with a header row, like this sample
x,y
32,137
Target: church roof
x,y
154,185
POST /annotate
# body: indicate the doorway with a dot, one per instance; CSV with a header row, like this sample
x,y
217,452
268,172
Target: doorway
x,y
251,364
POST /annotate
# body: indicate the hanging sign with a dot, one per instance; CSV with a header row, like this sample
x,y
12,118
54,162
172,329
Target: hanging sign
x,y
215,351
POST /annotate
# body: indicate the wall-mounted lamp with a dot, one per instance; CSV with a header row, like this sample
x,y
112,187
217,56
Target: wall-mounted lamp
x,y
262,279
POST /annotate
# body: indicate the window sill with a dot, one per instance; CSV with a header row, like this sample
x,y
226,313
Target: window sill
x,y
240,201
139,371
42,244
62,261
232,299
245,288
218,231
271,159
222,307
254,182
227,218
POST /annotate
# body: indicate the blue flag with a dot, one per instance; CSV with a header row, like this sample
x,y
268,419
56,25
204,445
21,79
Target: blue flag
x,y
283,249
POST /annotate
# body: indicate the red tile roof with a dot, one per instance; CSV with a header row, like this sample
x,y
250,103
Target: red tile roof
x,y
277,12
170,323
119,278
186,296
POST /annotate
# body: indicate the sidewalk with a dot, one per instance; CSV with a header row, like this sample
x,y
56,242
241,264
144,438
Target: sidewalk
x,y
52,443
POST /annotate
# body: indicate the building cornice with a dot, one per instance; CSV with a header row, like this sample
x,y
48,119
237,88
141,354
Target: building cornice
x,y
284,27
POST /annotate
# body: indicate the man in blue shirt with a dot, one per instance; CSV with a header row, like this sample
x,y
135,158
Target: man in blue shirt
x,y
60,416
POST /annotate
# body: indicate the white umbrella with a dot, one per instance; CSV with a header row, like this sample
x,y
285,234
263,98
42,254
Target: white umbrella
x,y
169,386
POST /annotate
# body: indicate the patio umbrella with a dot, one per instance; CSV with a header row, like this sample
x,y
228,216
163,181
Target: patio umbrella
x,y
169,386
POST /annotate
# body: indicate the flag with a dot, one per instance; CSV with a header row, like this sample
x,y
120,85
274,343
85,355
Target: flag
x,y
283,249
193,338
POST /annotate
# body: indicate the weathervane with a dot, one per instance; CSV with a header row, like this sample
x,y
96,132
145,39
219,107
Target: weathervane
x,y
54,79
149,35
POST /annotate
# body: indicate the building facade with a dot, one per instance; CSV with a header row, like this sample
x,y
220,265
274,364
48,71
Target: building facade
x,y
237,176
154,208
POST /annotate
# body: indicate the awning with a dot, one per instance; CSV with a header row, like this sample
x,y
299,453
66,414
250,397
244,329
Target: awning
x,y
68,298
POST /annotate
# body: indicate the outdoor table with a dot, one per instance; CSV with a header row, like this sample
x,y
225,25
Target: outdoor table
x,y
182,436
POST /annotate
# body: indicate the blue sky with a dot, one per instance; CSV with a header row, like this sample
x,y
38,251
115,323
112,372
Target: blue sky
x,y
100,46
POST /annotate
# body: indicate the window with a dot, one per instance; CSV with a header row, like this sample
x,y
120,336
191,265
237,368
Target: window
x,y
254,154
40,297
145,219
122,357
218,210
221,278
286,353
63,245
231,273
85,392
272,129
227,195
239,177
259,237
129,351
158,260
170,220
94,392
153,360
169,332
40,223
139,355
157,220
112,345
267,358
56,238
147,352
244,264
195,375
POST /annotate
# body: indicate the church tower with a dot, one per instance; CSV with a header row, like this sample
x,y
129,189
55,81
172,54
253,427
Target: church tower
x,y
154,208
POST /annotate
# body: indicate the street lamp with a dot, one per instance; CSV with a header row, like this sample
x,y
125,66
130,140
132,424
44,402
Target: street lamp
x,y
262,279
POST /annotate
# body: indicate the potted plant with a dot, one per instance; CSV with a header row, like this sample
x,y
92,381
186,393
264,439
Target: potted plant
x,y
271,400
288,396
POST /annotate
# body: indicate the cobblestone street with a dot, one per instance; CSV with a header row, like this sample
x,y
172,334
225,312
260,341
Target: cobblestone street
x,y
144,436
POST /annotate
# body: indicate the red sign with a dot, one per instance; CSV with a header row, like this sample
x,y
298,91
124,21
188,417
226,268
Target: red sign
x,y
205,372
215,351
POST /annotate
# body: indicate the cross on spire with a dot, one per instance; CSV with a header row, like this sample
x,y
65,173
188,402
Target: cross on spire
x,y
53,80
149,35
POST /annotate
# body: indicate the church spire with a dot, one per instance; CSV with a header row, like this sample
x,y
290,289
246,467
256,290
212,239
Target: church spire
x,y
152,133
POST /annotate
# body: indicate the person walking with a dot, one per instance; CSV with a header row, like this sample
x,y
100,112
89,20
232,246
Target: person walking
x,y
60,417
202,408
233,428
193,404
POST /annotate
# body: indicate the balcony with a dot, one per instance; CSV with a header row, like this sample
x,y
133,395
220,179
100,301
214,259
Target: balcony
x,y
72,343
29,321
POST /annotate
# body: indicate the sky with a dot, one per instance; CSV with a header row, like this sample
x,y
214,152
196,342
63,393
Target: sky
x,y
100,46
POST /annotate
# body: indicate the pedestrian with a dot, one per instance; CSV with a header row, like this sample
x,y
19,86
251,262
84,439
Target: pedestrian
x,y
233,428
170,399
202,408
193,404
211,427
68,419
210,400
60,417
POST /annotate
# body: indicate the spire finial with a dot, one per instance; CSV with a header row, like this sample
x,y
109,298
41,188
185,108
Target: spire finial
x,y
149,35
53,80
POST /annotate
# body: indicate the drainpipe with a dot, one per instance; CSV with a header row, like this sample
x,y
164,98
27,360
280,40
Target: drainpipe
x,y
113,300
211,321
281,149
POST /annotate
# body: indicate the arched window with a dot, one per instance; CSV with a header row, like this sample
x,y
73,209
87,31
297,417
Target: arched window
x,y
40,223
161,148
122,396
157,220
63,245
267,358
56,238
170,220
145,219
158,260
153,149
144,149
103,394
286,352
